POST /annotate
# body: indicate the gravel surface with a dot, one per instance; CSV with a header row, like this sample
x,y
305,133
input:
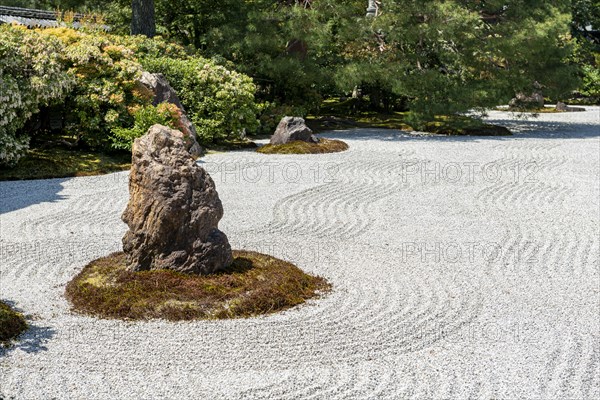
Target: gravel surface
x,y
462,268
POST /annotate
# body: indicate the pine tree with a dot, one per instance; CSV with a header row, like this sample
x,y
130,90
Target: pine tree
x,y
453,56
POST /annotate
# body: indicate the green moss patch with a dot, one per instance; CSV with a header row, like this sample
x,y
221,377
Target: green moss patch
x,y
299,147
450,129
545,110
12,323
254,284
61,163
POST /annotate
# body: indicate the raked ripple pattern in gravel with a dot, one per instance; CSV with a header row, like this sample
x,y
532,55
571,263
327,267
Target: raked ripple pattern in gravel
x,y
462,268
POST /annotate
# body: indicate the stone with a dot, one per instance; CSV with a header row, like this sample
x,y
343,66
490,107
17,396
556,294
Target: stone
x,y
522,101
173,210
562,107
162,92
291,129
160,87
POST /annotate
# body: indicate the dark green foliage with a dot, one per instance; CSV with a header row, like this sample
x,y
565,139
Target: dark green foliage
x,y
586,30
448,57
585,16
434,57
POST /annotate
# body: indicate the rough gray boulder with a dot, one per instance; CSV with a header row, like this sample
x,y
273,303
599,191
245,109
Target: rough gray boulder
x,y
162,92
173,210
560,106
522,101
291,129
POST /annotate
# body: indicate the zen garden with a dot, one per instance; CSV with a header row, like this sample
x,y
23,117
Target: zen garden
x,y
299,199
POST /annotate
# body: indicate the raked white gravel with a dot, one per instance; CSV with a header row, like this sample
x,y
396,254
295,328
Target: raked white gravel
x,y
462,268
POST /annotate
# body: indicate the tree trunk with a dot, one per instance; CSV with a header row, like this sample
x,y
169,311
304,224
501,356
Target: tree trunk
x,y
196,29
142,18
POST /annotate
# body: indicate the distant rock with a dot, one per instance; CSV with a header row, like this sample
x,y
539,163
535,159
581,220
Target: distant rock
x,y
291,129
173,210
163,93
560,106
533,102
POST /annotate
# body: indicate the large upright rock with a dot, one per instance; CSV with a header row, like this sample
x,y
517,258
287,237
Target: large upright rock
x,y
173,210
291,129
162,92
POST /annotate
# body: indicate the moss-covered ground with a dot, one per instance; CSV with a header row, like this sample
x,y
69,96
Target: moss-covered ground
x,y
60,162
254,284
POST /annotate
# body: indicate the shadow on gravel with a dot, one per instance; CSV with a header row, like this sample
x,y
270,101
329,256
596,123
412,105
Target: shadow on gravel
x,y
528,127
32,340
549,129
15,195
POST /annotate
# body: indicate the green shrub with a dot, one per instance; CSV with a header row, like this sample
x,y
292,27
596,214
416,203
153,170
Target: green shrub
x,y
219,102
12,148
105,92
144,117
31,76
144,47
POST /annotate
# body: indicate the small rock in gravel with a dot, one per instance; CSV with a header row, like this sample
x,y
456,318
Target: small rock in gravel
x,y
291,129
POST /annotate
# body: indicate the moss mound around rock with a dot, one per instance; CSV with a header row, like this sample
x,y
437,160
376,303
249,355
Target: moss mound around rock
x,y
254,284
480,130
12,323
299,147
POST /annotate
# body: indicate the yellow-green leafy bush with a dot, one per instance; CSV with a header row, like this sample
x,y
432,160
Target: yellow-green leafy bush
x,y
31,76
151,48
105,92
93,76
